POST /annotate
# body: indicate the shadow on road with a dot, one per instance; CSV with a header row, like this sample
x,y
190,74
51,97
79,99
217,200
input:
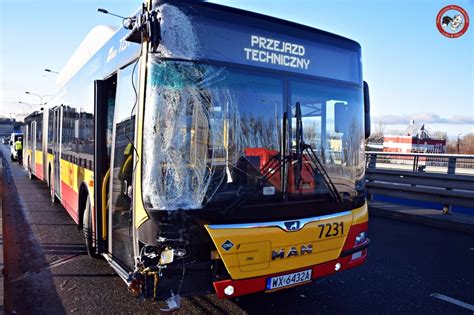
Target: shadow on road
x,y
23,256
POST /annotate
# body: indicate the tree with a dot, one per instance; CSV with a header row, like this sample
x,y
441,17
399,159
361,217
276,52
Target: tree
x,y
377,134
461,145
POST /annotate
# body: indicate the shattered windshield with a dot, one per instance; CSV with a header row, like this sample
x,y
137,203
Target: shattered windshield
x,y
204,127
211,131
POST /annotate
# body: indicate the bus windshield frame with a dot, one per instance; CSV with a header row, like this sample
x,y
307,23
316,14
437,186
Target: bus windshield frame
x,y
210,130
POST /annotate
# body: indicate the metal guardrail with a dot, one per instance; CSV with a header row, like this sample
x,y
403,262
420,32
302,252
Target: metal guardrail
x,y
440,178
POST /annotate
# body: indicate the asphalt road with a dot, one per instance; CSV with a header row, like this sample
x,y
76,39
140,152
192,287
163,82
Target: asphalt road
x,y
48,271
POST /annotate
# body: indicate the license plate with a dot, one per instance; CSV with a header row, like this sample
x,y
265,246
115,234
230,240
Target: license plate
x,y
289,279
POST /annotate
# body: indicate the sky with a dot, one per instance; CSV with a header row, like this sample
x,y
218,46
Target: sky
x,y
413,71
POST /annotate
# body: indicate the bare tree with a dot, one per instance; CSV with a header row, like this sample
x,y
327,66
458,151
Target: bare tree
x,y
379,128
376,136
461,145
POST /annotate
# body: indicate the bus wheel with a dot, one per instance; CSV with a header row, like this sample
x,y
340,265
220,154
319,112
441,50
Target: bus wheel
x,y
87,229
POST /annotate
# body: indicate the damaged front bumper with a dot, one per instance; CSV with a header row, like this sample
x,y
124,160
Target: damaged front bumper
x,y
347,260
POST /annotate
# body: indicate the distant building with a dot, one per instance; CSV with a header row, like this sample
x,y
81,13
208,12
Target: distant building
x,y
7,126
415,139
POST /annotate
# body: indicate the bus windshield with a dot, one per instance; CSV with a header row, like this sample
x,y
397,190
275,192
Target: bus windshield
x,y
211,132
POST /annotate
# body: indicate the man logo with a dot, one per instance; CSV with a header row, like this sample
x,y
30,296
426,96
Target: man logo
x,y
292,225
292,252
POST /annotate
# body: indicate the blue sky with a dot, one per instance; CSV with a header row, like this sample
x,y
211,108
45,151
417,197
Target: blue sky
x,y
413,71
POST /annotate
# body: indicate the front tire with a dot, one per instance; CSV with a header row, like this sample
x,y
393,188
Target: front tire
x,y
87,229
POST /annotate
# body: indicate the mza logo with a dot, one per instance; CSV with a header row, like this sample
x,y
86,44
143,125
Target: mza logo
x,y
452,21
292,225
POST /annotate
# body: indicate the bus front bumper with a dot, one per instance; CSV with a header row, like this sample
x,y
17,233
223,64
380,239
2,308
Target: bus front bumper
x,y
347,260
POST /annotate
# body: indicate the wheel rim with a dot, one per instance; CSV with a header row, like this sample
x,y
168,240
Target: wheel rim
x,y
51,190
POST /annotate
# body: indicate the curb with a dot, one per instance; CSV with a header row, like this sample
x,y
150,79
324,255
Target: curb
x,y
429,217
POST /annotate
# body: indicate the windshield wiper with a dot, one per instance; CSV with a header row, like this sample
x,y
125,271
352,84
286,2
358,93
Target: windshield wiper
x,y
318,167
301,147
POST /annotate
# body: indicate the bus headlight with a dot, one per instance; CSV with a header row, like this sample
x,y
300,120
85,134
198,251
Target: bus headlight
x,y
360,238
229,290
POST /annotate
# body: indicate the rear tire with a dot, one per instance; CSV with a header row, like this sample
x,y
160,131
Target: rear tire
x,y
87,229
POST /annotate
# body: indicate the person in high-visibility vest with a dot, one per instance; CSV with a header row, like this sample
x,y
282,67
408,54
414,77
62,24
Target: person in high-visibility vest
x,y
19,149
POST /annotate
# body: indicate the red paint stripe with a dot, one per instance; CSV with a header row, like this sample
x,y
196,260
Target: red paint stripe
x,y
69,199
247,286
39,171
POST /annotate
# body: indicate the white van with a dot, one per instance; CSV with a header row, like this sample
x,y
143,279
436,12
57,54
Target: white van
x,y
13,138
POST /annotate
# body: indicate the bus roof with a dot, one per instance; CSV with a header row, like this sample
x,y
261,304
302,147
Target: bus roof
x,y
103,43
94,40
258,16
212,32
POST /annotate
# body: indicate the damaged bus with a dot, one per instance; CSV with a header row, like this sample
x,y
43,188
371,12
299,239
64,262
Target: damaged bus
x,y
207,149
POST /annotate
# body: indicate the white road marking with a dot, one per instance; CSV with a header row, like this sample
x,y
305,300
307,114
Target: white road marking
x,y
453,301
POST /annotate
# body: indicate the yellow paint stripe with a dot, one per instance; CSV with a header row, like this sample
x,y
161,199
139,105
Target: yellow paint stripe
x,y
104,204
140,213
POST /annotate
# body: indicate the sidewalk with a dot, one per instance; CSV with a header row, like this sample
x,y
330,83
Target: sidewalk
x,y
452,221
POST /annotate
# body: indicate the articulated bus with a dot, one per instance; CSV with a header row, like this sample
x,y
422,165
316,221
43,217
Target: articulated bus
x,y
208,149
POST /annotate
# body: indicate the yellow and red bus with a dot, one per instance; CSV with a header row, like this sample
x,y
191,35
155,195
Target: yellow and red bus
x,y
207,149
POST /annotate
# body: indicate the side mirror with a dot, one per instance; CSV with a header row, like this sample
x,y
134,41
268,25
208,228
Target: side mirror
x,y
11,142
367,121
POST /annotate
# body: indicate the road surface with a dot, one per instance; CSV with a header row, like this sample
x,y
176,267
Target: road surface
x,y
411,269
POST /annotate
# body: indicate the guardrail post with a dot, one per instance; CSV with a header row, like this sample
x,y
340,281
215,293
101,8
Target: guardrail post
x,y
452,165
372,160
451,170
372,164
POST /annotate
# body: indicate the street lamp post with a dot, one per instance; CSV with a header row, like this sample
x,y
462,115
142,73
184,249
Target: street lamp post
x,y
27,104
458,144
52,71
40,96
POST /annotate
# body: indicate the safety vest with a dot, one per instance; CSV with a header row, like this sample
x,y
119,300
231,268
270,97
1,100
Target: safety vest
x,y
18,145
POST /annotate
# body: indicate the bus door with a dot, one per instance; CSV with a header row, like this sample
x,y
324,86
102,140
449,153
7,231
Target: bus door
x,y
33,147
121,229
26,142
57,125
